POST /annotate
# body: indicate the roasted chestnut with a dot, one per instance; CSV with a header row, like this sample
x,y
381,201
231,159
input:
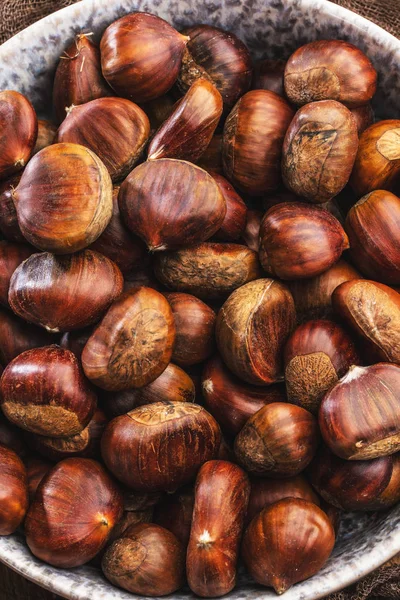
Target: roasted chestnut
x,y
279,440
141,55
317,355
330,69
151,448
220,502
319,150
76,506
11,255
175,513
44,391
16,336
234,222
48,198
299,241
62,293
14,491
294,539
211,159
9,227
364,116
46,134
268,75
252,142
147,560
252,328
133,343
36,469
251,234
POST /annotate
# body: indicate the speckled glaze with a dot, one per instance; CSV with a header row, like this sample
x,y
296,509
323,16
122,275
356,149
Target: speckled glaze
x,y
270,28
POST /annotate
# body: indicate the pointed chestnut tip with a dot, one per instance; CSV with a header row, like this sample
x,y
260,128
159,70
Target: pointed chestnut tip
x,y
156,154
281,587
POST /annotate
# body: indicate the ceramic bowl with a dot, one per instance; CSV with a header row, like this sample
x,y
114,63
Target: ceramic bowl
x,y
270,28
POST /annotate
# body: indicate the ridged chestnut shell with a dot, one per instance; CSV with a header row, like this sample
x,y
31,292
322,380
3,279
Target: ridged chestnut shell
x,y
14,491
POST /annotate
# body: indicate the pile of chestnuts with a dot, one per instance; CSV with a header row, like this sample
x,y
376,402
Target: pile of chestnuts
x,y
200,309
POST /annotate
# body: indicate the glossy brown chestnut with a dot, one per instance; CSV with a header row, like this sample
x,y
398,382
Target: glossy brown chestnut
x,y
147,560
364,116
319,150
9,226
372,225
141,55
171,203
252,328
16,336
78,76
251,234
18,125
175,513
36,469
391,494
11,255
294,539
115,129
268,75
208,271
317,355
279,440
350,485
220,503
133,343
359,417
62,293
330,69
48,198
252,142
151,448
377,165
14,491
372,310
188,130
46,134
211,159
220,56
231,401
76,506
234,223
11,436
128,519
299,241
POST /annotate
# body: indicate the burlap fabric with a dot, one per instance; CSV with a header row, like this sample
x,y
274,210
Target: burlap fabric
x,y
15,15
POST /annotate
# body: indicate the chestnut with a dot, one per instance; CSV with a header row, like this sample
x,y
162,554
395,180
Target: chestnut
x,y
220,502
78,77
14,491
36,469
377,164
209,271
299,241
188,129
141,55
44,391
19,129
319,150
76,340
391,494
147,560
11,255
11,436
76,506
330,69
317,355
219,56
175,513
252,142
252,328
364,116
46,134
279,440
350,485
234,222
268,75
148,448
372,227
231,401
211,159
359,417
159,109
251,234
62,293
171,203
115,129
133,343
9,226
128,519
16,336
48,198
140,501
293,540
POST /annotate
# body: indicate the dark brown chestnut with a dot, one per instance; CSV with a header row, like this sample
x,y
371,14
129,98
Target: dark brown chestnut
x,y
330,69
62,293
140,501
220,503
11,256
16,336
364,116
234,222
251,234
175,513
76,340
36,469
148,448
294,539
391,494
133,343
9,226
11,436
279,440
46,134
268,75
252,328
76,506
211,159
159,109
299,241
44,391
14,491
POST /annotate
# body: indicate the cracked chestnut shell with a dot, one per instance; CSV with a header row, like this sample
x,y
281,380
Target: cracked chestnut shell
x,y
252,328
16,336
11,256
44,391
359,417
268,75
76,506
330,69
148,448
319,150
220,502
14,491
175,513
